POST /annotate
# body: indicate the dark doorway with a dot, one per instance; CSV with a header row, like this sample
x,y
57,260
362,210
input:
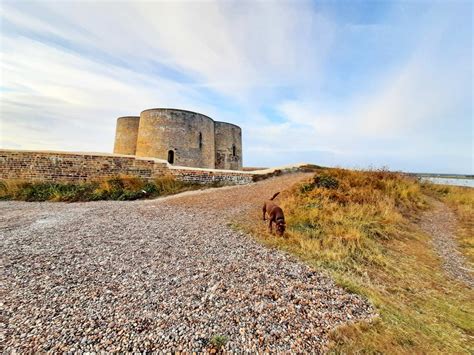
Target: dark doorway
x,y
170,156
200,140
233,150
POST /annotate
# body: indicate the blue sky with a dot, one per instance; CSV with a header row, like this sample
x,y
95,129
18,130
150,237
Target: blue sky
x,y
338,83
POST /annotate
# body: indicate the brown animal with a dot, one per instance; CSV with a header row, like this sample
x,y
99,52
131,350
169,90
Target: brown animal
x,y
275,214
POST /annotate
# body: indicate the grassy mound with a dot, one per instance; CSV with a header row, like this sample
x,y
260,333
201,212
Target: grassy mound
x,y
342,215
117,188
360,226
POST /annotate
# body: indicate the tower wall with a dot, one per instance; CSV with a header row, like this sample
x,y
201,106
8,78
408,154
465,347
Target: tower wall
x,y
228,146
189,135
126,134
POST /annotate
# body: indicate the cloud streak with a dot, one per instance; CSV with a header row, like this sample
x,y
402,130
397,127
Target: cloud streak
x,y
329,83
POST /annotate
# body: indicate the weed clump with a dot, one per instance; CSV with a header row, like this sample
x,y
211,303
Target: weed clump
x,y
218,341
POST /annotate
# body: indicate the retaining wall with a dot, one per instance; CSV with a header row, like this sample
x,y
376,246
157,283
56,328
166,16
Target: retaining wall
x,y
208,176
78,167
65,166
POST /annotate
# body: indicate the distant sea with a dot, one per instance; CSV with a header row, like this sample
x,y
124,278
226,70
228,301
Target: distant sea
x,y
448,181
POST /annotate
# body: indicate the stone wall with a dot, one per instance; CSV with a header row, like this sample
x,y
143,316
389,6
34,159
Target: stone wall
x,y
205,176
64,166
78,167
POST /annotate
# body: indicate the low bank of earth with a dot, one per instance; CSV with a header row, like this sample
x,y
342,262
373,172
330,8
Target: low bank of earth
x,y
405,246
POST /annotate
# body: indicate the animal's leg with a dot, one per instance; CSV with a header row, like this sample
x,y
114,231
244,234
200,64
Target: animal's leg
x,y
270,225
264,211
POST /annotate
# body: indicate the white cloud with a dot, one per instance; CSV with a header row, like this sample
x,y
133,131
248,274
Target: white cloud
x,y
232,49
226,45
425,97
309,114
61,100
419,94
72,67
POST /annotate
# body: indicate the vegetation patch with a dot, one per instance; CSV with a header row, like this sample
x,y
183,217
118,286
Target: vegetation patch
x,y
218,341
360,226
117,188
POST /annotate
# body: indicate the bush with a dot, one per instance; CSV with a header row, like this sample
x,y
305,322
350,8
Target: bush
x,y
325,181
306,187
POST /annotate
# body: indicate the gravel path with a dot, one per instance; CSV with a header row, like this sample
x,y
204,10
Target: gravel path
x,y
440,223
164,274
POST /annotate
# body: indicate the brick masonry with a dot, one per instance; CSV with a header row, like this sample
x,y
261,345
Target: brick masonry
x,y
65,166
209,177
79,167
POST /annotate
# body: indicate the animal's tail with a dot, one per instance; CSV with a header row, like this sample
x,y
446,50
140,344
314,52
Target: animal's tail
x,y
275,195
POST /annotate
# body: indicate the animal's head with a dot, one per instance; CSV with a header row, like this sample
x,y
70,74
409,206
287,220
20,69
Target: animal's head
x,y
280,227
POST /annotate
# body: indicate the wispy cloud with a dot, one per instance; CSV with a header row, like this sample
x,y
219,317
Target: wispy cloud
x,y
332,83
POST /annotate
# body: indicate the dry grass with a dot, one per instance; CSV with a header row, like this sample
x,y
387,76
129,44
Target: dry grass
x,y
117,188
361,228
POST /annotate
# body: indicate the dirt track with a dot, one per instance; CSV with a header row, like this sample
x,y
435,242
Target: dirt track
x,y
163,274
440,223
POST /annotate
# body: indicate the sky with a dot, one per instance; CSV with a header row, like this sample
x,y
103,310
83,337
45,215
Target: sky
x,y
357,84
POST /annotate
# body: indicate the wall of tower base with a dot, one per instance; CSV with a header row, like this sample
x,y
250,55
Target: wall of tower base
x,y
56,166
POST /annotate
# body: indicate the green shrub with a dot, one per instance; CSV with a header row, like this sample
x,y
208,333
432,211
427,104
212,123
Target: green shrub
x,y
306,187
218,341
326,181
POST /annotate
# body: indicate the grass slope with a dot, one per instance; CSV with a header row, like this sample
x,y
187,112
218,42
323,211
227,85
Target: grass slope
x,y
361,228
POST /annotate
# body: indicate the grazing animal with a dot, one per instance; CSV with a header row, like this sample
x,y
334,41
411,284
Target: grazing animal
x,y
275,214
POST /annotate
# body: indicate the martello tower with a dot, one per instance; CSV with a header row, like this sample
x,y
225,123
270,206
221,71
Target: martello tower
x,y
181,137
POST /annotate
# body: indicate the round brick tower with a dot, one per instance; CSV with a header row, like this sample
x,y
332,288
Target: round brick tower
x,y
228,138
126,134
182,137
